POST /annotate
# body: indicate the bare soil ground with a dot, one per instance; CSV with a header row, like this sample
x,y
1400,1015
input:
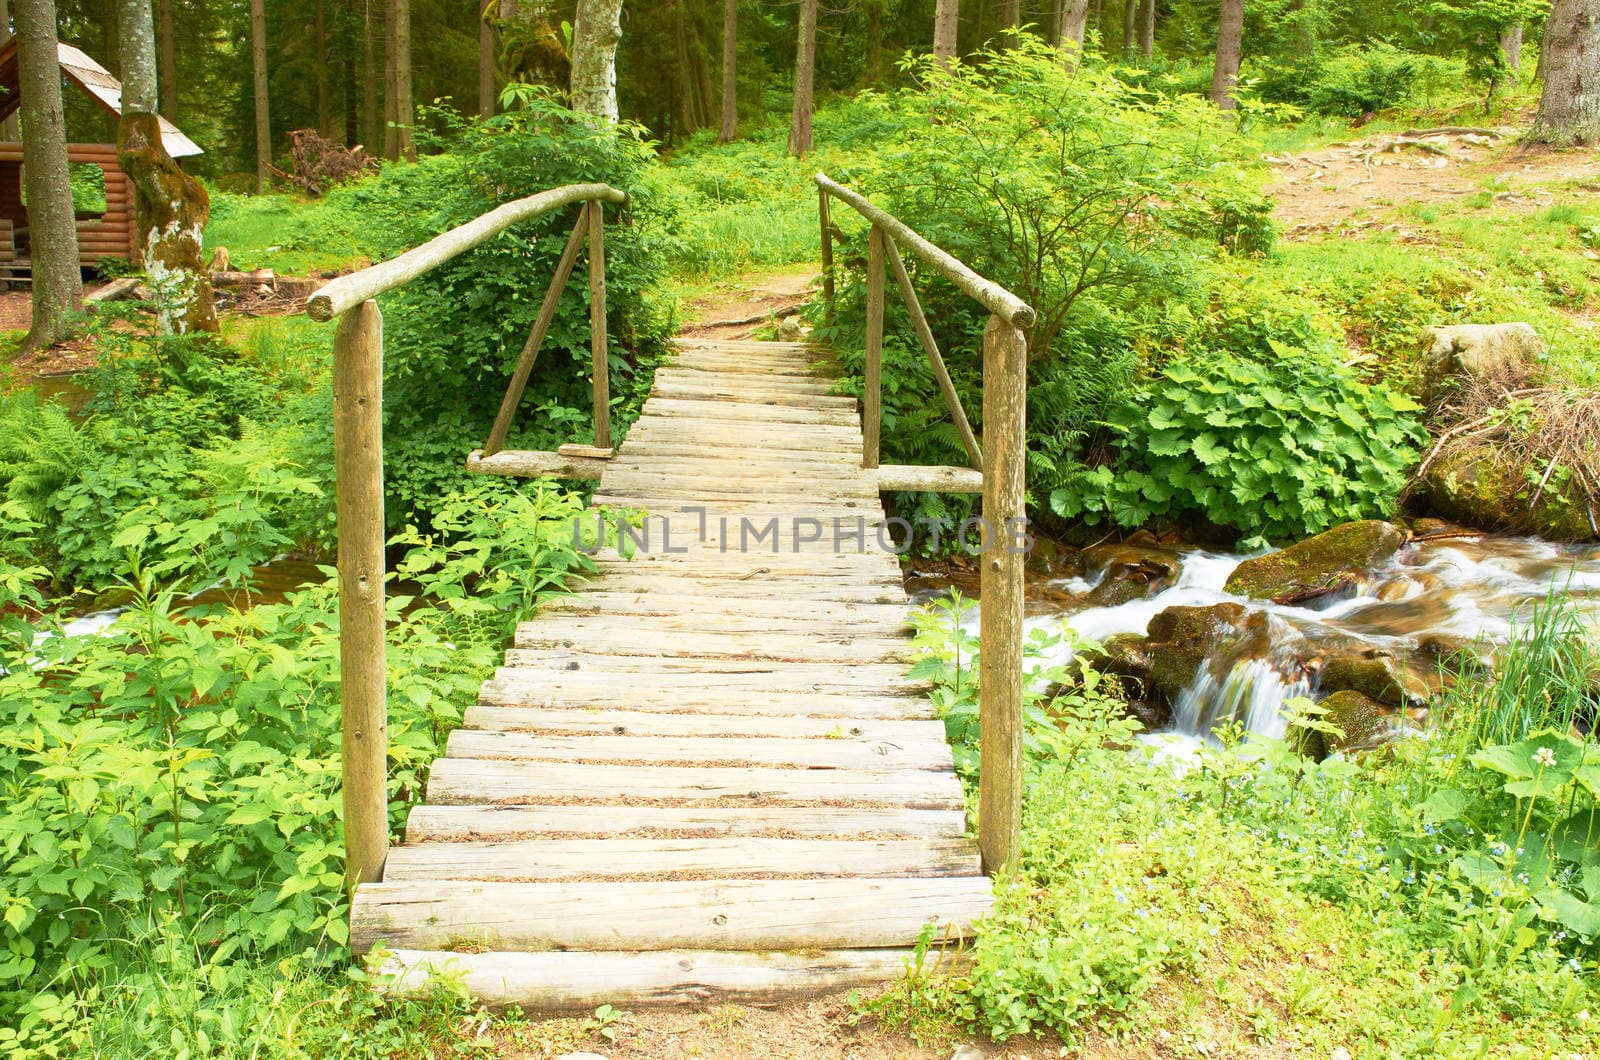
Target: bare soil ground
x,y
1351,185
737,309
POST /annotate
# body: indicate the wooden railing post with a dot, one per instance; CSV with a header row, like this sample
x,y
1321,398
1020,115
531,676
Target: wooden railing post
x,y
1005,383
597,325
872,383
541,325
358,469
826,221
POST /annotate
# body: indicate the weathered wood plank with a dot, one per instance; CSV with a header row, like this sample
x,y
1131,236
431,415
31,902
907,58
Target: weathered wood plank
x,y
461,823
842,753
581,982
758,695
724,915
600,598
735,645
866,676
748,412
533,463
643,723
470,780
535,860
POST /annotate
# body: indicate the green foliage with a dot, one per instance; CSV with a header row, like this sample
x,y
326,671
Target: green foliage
x,y
1064,710
454,334
1449,901
205,461
1354,79
1274,452
179,773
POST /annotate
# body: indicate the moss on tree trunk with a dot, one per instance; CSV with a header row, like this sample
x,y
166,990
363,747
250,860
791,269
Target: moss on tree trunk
x,y
172,208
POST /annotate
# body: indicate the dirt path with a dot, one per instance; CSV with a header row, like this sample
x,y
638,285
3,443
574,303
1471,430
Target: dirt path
x,y
735,309
1355,184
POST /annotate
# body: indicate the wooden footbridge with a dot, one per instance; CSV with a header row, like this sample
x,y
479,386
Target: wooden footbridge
x,y
706,775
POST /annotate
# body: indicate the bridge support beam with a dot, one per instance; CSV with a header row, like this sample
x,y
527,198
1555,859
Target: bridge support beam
x,y
1005,389
358,469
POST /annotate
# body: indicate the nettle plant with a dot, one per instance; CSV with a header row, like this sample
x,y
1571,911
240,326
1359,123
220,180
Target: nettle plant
x,y
1065,708
1541,826
1276,452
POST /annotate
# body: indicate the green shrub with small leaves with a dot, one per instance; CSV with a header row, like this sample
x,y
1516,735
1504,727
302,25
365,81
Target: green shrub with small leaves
x,y
1275,452
184,763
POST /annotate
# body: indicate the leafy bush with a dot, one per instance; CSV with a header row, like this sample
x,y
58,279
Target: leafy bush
x,y
207,460
185,764
1274,452
453,335
1355,79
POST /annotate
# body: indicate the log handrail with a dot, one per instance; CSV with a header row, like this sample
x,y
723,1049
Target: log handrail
x,y
987,293
1001,458
351,290
358,474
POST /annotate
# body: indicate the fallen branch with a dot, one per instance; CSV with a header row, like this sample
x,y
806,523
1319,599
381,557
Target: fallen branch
x,y
759,318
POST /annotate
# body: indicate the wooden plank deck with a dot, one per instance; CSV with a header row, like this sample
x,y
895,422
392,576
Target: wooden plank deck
x,y
707,776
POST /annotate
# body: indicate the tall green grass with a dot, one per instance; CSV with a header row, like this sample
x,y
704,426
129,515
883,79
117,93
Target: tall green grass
x,y
1546,677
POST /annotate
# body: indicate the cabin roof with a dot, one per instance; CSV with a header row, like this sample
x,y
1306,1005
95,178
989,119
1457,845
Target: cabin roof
x,y
93,79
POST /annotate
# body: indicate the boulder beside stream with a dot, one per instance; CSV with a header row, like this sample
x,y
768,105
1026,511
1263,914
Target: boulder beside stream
x,y
1487,487
1457,356
1318,565
1362,722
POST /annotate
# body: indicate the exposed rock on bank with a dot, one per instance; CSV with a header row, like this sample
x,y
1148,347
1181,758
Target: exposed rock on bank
x,y
1319,565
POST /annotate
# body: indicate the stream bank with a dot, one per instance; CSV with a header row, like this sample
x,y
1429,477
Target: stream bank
x,y
1375,641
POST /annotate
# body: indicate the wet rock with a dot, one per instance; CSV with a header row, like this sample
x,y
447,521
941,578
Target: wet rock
x,y
1456,656
1129,571
1455,356
1362,721
1049,558
1125,659
1180,639
1317,566
1377,676
1490,489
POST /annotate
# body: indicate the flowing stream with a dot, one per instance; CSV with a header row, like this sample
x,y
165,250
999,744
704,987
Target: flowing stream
x,y
1433,596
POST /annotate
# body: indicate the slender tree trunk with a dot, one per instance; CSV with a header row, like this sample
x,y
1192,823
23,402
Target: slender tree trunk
x,y
1569,106
405,112
258,69
371,130
349,60
1052,28
110,45
166,61
8,128
1010,22
391,133
1147,29
485,68
872,71
805,62
1074,23
688,113
946,24
730,70
1511,55
52,230
704,94
319,42
596,31
1230,48
171,206
1130,27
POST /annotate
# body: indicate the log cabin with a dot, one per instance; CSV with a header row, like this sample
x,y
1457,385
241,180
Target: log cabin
x,y
112,233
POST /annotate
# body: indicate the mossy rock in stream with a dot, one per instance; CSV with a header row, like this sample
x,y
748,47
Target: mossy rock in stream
x,y
1362,721
1377,677
1317,565
1487,488
1180,639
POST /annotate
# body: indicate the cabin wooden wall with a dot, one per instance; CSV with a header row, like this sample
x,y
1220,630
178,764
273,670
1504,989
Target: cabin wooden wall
x,y
112,235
